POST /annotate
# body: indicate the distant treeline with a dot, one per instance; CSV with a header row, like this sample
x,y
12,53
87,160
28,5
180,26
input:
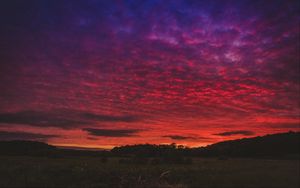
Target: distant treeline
x,y
282,145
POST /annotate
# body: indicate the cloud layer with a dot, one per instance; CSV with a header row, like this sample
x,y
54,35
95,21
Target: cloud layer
x,y
112,132
178,137
65,119
241,132
172,67
5,135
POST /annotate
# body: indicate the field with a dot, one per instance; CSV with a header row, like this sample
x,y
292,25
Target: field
x,y
96,172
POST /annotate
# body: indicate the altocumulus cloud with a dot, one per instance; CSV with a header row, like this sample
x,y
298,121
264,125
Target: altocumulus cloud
x,y
17,135
178,137
39,119
240,132
112,132
65,119
109,118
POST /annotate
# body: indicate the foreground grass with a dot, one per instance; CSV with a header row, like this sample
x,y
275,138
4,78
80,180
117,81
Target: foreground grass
x,y
93,173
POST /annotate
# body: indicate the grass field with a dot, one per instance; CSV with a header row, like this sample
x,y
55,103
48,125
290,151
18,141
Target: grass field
x,y
94,172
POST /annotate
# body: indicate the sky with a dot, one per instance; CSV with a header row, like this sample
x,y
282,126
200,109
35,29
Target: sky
x,y
91,73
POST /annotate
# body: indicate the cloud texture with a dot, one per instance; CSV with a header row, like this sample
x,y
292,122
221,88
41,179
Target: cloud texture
x,y
179,67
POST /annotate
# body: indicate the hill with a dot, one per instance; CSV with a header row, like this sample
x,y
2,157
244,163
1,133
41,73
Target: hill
x,y
34,148
22,147
281,145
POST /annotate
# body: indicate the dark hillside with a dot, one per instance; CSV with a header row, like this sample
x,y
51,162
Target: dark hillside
x,y
21,147
282,145
33,148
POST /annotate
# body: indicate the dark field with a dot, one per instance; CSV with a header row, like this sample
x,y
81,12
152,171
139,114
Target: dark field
x,y
99,172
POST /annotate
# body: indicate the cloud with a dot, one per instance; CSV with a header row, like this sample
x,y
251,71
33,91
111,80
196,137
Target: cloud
x,y
230,133
5,135
109,118
112,132
178,137
283,125
39,119
66,119
206,62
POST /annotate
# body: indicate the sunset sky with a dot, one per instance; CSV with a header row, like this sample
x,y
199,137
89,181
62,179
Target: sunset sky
x,y
105,73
